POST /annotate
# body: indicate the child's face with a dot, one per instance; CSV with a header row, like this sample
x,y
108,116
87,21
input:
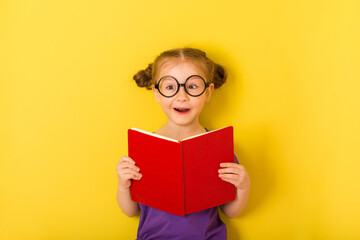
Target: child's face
x,y
182,109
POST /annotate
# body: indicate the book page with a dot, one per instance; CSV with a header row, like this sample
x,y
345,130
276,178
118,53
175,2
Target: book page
x,y
198,135
155,135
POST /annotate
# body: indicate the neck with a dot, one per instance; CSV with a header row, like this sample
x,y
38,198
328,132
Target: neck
x,y
179,132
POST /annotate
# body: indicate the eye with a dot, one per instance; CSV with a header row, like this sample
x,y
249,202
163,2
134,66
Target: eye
x,y
170,87
193,86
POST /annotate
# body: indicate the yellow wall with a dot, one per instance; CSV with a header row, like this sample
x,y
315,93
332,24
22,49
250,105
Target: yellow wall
x,y
67,99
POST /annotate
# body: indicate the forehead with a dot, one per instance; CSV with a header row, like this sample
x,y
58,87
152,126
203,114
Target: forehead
x,y
180,69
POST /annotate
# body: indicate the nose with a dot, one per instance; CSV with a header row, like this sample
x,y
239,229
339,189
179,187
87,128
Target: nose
x,y
182,95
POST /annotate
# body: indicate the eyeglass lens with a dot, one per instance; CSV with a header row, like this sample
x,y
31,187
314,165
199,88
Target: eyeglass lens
x,y
194,86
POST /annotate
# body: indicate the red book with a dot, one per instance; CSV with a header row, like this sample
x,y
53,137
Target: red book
x,y
181,177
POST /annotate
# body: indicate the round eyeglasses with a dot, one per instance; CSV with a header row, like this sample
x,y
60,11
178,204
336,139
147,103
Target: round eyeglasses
x,y
168,86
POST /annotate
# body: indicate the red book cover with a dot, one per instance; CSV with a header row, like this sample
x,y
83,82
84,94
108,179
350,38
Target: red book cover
x,y
181,177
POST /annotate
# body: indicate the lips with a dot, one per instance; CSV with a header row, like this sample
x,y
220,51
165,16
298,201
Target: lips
x,y
182,110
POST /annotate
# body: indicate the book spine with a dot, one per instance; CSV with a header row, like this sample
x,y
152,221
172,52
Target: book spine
x,y
183,176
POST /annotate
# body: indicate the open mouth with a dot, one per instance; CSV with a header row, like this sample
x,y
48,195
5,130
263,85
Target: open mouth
x,y
182,110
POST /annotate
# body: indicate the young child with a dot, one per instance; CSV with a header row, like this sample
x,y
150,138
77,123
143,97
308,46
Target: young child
x,y
182,81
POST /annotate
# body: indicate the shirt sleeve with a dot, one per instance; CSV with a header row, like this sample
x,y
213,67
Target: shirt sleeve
x,y
235,159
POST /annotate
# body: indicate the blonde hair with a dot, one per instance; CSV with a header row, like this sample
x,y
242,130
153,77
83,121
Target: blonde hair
x,y
214,72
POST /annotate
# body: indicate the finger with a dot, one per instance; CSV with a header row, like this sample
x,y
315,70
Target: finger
x,y
125,165
127,159
230,170
237,180
131,176
233,165
230,176
129,171
228,164
231,181
124,160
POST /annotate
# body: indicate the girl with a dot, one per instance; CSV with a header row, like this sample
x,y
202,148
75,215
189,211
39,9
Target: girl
x,y
182,81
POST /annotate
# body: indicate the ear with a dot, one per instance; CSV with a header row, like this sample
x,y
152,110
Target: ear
x,y
209,91
156,93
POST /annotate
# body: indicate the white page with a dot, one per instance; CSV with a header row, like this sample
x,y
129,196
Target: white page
x,y
202,134
155,135
171,139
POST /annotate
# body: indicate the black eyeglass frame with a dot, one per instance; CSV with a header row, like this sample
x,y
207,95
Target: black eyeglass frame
x,y
181,85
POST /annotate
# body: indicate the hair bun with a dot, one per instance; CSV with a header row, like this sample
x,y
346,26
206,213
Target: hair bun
x,y
143,77
219,76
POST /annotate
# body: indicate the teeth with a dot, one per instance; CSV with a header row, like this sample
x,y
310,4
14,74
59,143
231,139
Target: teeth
x,y
181,109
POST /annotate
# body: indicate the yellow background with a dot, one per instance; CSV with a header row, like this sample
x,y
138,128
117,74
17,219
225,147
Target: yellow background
x,y
67,99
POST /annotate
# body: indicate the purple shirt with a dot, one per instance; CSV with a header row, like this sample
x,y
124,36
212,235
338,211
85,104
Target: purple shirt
x,y
157,224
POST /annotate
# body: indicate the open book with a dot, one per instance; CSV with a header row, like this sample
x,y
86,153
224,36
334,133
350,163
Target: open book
x,y
181,177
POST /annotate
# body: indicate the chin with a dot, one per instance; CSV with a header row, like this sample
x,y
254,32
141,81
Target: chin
x,y
183,123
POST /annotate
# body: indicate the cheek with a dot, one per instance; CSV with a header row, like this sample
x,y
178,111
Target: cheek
x,y
165,102
200,103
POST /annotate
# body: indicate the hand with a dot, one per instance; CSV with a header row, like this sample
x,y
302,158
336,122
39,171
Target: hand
x,y
127,170
235,174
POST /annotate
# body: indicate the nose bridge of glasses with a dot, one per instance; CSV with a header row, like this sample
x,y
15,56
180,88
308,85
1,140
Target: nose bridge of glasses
x,y
182,85
183,91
